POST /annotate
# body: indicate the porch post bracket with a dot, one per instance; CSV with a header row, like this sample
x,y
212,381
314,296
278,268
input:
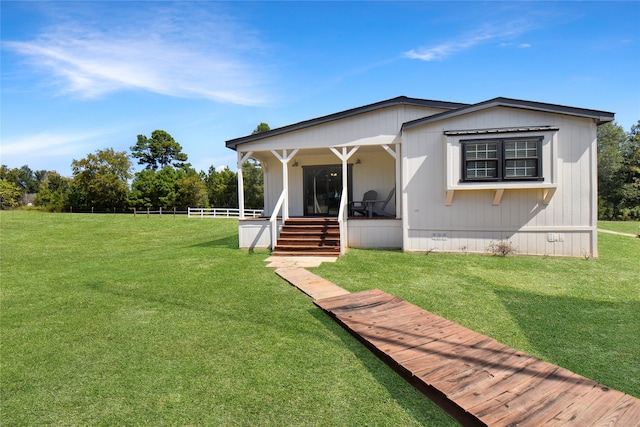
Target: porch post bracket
x,y
243,158
284,158
390,150
345,155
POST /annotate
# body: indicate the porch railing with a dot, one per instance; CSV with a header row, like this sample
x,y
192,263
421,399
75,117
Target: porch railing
x,y
274,219
342,221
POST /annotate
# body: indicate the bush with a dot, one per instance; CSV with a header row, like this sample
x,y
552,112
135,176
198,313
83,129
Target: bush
x,y
501,248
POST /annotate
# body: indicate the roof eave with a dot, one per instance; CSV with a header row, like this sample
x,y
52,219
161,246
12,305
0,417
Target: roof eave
x,y
400,100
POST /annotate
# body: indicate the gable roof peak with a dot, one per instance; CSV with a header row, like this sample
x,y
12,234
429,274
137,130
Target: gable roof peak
x,y
399,100
600,116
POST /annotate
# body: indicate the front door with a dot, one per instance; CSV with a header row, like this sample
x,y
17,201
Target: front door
x,y
323,189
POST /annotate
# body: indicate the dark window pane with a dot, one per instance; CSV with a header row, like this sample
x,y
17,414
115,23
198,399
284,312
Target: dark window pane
x,y
482,169
521,168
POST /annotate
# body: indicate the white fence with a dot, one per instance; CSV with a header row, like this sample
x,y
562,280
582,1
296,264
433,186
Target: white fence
x,y
222,213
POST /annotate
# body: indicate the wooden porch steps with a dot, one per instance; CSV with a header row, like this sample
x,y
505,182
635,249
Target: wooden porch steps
x,y
309,237
479,381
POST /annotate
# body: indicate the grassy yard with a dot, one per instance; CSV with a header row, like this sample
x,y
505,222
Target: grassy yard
x,y
111,320
631,227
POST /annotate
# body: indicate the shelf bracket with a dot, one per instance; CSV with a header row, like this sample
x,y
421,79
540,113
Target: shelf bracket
x,y
449,199
547,194
497,196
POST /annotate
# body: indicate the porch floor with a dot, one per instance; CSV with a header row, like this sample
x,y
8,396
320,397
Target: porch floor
x,y
477,380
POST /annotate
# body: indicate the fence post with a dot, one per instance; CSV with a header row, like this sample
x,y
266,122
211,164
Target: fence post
x,y
160,211
134,213
174,211
147,212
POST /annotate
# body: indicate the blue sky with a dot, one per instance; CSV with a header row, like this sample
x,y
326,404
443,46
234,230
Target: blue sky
x,y
80,76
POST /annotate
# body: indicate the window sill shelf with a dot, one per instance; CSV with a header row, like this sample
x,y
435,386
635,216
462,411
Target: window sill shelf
x,y
548,190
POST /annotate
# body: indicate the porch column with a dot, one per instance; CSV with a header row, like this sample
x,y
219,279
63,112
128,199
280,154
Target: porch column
x,y
241,160
284,159
344,156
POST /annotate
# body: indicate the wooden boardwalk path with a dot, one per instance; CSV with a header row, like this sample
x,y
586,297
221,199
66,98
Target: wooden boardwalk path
x,y
479,381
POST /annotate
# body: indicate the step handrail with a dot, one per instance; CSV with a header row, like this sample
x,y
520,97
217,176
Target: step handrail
x,y
274,219
342,222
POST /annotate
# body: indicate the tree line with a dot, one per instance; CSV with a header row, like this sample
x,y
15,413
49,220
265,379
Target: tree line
x,y
618,172
104,181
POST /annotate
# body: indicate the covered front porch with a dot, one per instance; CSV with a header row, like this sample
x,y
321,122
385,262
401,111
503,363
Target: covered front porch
x,y
329,182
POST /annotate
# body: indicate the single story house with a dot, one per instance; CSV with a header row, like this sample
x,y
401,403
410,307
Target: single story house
x,y
447,176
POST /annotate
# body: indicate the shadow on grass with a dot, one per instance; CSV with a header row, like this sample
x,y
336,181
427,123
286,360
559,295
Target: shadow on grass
x,y
597,338
423,410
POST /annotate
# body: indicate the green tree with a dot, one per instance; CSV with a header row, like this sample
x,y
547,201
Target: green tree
x,y
630,175
100,180
159,151
143,190
168,188
618,172
253,179
10,194
611,136
222,187
192,190
262,127
53,192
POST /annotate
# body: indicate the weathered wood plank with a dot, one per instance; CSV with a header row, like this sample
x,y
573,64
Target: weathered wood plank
x,y
478,380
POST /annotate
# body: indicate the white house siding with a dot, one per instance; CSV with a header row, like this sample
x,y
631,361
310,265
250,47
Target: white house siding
x,y
472,221
255,233
375,233
314,142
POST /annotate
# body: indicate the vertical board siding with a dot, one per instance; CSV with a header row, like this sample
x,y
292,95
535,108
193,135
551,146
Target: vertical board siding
x,y
380,234
521,217
429,165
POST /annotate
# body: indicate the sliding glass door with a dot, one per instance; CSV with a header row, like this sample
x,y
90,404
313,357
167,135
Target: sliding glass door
x,y
323,189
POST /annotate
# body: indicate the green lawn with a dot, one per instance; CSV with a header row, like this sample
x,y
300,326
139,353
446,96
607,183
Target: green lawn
x,y
631,227
111,320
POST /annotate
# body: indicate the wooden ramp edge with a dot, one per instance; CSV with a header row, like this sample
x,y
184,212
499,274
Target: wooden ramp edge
x,y
477,380
311,284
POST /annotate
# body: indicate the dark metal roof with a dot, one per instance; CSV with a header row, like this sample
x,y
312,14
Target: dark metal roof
x,y
600,116
400,100
501,130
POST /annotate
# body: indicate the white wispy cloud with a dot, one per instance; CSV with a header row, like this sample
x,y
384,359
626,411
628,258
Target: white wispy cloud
x,y
488,33
175,52
46,144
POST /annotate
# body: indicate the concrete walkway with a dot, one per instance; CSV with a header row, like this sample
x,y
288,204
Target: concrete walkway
x,y
617,233
297,261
